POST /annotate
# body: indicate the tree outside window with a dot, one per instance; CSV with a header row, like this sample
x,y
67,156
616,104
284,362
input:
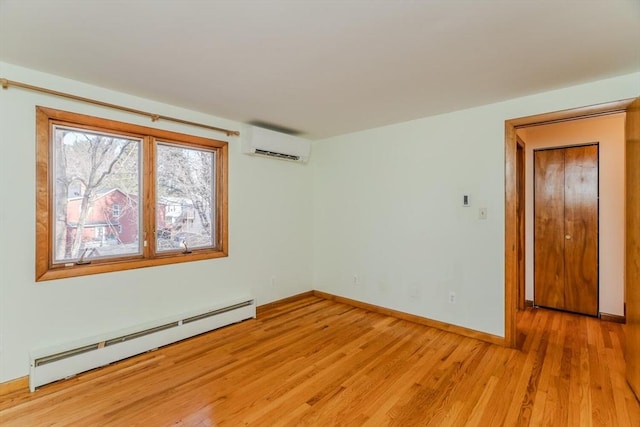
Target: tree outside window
x,y
96,179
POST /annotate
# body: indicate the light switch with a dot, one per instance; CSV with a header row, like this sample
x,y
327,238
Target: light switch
x,y
482,213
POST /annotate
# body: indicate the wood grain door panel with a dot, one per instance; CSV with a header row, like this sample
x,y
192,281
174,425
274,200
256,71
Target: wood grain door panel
x,y
632,249
581,229
566,229
549,228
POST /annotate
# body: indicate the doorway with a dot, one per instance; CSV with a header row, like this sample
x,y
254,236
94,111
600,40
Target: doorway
x,y
566,228
631,213
513,297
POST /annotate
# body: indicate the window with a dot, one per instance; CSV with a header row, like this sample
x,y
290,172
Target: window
x,y
113,196
184,182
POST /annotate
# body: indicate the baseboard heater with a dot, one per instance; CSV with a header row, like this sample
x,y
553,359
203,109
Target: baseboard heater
x,y
65,360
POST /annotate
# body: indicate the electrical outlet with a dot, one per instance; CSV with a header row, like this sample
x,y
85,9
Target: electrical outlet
x,y
452,297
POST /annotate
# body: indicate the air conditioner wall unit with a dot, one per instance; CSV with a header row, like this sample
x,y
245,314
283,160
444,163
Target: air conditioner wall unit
x,y
264,142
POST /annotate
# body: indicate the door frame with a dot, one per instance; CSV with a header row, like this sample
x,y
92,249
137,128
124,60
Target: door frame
x,y
511,270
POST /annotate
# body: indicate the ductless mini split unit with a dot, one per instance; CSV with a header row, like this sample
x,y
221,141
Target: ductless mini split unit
x,y
264,142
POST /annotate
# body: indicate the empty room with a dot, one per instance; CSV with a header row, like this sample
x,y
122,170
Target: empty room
x,y
320,213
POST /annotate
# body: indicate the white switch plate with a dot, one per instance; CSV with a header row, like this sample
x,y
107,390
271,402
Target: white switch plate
x,y
482,213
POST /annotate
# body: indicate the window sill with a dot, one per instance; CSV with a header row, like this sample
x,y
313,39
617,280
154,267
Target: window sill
x,y
97,267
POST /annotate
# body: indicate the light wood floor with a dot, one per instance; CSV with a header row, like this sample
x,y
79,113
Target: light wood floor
x,y
320,363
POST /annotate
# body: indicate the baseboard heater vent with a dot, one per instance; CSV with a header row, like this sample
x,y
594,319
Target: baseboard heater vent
x,y
65,360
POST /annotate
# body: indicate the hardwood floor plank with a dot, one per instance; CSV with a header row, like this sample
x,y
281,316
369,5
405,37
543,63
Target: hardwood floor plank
x,y
310,361
480,407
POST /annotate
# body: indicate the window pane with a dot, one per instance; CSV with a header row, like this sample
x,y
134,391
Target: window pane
x,y
185,198
96,186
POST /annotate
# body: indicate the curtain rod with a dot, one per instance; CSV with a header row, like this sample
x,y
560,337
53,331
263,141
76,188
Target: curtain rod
x,y
154,117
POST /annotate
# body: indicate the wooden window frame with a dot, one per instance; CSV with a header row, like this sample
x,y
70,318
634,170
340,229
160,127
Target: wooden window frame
x,y
46,118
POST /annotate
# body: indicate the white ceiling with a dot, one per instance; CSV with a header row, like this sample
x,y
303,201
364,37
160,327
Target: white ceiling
x,y
324,67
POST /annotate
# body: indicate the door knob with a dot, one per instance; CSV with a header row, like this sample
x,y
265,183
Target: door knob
x,y
568,237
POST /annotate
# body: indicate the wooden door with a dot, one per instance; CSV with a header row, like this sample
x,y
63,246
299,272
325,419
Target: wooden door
x,y
549,234
632,267
566,229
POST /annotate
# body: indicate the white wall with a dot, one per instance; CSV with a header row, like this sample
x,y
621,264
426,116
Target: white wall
x,y
383,204
608,131
270,234
388,205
